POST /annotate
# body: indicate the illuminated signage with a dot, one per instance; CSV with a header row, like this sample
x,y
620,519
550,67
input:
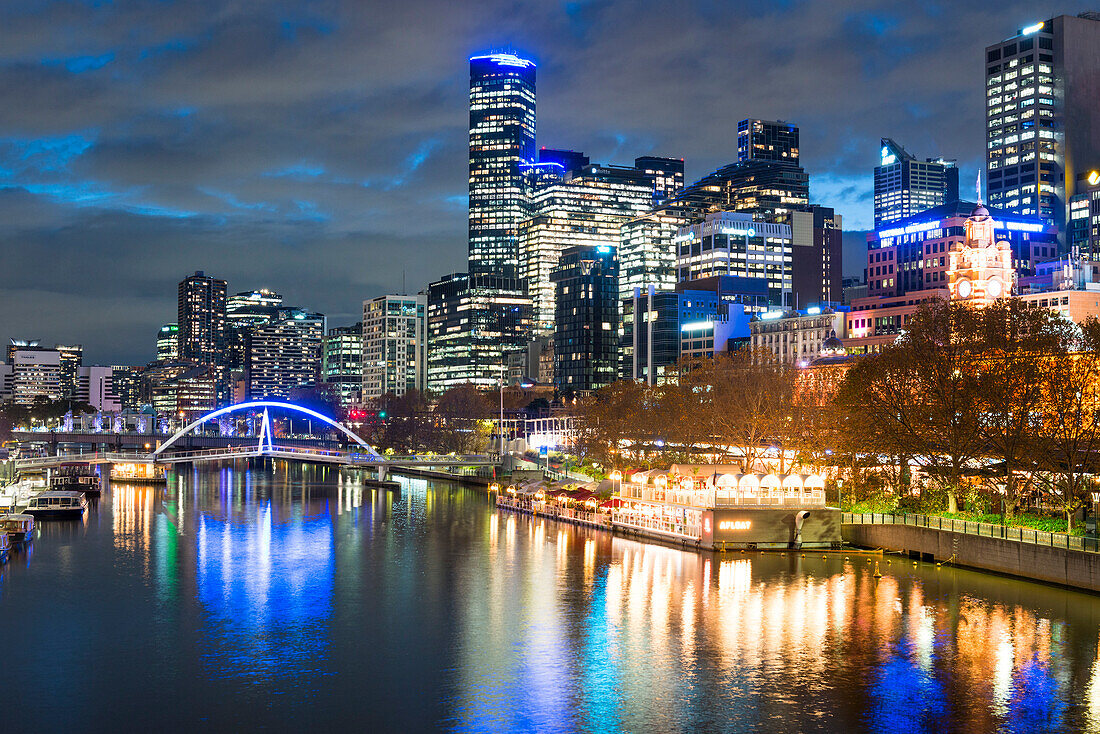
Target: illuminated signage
x,y
734,524
697,325
887,156
603,249
505,60
1094,178
813,310
750,232
1032,29
683,237
938,224
771,315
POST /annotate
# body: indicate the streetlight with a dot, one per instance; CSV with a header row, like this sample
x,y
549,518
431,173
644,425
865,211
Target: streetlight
x,y
616,476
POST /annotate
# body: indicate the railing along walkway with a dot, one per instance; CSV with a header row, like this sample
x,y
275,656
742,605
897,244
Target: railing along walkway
x,y
983,529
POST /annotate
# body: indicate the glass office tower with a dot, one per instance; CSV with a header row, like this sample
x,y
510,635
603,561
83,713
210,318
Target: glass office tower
x,y
502,136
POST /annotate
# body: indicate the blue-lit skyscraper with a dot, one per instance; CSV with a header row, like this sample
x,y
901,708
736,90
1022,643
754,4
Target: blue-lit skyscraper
x,y
905,186
502,136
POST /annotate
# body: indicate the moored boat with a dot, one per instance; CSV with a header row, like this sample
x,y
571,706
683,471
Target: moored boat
x,y
5,546
58,505
76,477
20,528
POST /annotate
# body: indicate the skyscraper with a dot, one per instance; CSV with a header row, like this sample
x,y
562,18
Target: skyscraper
x,y
341,362
201,319
168,343
474,324
394,345
587,315
668,175
285,353
585,209
1042,116
767,140
502,136
905,186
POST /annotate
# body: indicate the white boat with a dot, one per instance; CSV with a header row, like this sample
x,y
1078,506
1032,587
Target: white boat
x,y
57,505
20,528
17,495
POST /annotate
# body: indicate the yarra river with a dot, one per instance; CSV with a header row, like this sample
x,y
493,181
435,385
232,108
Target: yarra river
x,y
234,600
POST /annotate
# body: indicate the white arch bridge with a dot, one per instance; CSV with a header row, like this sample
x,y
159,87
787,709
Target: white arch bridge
x,y
264,446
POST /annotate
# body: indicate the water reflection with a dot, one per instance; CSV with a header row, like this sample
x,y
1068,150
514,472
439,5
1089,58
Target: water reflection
x,y
289,597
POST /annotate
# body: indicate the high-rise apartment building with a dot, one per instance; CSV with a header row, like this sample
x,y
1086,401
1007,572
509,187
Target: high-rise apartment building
x,y
201,319
905,186
582,210
1042,119
341,362
245,311
587,319
33,372
767,140
474,324
817,240
126,382
168,343
502,137
285,353
70,358
95,386
394,345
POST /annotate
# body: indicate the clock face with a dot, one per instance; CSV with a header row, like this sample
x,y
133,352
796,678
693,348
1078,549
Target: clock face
x,y
964,289
994,288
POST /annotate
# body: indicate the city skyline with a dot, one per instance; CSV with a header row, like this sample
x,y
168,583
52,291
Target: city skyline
x,y
246,146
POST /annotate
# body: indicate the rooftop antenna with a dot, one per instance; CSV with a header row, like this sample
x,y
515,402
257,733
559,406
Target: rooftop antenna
x,y
403,291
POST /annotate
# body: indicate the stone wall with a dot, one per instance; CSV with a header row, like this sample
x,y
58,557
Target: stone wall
x,y
1038,562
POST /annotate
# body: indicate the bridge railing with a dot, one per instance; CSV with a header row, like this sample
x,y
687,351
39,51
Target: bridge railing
x,y
96,457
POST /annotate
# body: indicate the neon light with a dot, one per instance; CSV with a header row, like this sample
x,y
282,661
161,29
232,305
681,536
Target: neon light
x,y
692,326
683,237
505,60
887,156
1032,29
1094,178
265,404
734,524
750,232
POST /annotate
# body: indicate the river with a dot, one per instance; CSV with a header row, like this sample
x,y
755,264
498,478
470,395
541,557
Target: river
x,y
294,599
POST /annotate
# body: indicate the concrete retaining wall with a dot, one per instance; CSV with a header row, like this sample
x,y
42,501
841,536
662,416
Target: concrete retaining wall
x,y
1038,562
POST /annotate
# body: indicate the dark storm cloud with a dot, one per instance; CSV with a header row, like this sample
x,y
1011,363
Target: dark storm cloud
x,y
318,148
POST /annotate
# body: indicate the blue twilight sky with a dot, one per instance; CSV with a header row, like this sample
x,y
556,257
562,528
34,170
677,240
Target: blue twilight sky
x,y
318,148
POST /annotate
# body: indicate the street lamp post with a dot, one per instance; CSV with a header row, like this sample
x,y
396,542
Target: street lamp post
x,y
501,424
616,476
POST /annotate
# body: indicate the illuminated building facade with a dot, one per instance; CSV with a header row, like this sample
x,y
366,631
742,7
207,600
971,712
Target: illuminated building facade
x,y
341,362
33,372
979,269
201,319
580,211
912,255
735,243
168,343
799,337
1041,90
647,253
502,136
284,354
905,186
127,385
394,345
474,324
586,337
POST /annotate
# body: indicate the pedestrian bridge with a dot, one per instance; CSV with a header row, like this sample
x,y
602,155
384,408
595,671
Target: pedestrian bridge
x,y
263,446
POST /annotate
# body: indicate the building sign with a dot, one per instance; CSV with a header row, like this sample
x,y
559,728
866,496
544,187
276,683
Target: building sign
x,y
735,525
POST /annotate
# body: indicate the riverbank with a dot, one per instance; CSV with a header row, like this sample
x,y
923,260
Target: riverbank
x,y
1053,558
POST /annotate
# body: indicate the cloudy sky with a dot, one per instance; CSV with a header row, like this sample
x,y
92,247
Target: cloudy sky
x,y
318,148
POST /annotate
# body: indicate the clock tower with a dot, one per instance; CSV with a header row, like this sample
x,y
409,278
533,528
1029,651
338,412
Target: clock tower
x,y
980,268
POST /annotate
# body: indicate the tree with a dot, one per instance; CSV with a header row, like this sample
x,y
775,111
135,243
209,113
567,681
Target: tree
x,y
613,421
921,395
1015,342
745,401
1070,431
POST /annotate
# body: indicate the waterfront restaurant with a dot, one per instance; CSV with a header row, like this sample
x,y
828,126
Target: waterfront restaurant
x,y
717,507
